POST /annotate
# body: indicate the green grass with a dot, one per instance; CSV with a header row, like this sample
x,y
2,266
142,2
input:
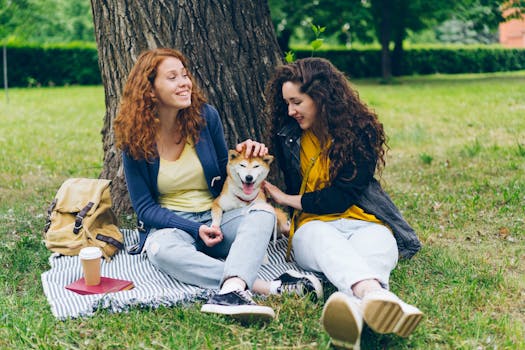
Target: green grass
x,y
456,168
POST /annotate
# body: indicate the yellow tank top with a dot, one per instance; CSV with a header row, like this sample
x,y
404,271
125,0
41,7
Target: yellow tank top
x,y
318,178
182,184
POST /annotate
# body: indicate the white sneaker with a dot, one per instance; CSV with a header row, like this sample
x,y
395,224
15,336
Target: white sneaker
x,y
384,312
343,321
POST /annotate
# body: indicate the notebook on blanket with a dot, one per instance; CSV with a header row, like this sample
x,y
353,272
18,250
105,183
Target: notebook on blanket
x,y
107,285
152,288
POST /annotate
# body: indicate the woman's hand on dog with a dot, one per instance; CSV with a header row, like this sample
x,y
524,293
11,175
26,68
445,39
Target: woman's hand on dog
x,y
210,235
252,148
280,197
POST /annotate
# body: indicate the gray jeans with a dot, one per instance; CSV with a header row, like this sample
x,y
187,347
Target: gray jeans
x,y
246,232
346,251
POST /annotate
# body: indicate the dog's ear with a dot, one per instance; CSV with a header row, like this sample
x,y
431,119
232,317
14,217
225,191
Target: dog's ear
x,y
232,154
268,159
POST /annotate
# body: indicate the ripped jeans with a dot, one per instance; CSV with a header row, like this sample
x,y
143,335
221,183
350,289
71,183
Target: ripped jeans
x,y
246,232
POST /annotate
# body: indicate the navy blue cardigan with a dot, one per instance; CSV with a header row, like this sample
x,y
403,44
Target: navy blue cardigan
x,y
141,178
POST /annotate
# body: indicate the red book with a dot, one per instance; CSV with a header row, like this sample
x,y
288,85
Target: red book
x,y
107,285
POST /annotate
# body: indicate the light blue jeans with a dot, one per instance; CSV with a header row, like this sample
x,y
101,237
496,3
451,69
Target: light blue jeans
x,y
246,232
346,251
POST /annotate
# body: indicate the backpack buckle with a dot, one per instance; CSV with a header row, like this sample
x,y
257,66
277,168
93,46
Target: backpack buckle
x,y
80,216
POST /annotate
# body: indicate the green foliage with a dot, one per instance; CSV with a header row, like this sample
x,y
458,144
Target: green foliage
x,y
318,41
426,158
54,64
50,21
346,20
352,22
520,150
77,63
464,32
314,44
289,57
360,63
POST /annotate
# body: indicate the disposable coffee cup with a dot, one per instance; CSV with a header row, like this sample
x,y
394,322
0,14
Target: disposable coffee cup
x,y
90,259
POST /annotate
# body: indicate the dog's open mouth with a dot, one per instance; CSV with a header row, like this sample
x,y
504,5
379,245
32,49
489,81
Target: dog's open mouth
x,y
248,188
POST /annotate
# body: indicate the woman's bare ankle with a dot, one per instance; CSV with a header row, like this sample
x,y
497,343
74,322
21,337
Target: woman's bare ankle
x,y
364,287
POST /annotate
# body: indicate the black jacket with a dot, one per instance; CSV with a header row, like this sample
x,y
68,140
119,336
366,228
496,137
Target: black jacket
x,y
364,190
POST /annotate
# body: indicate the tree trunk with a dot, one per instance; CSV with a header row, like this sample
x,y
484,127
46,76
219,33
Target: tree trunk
x,y
230,44
382,10
397,57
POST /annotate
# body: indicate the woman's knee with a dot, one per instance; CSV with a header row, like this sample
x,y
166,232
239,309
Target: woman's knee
x,y
168,247
310,233
263,206
261,216
307,241
378,237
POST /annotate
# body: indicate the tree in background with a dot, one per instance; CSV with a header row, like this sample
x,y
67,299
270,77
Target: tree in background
x,y
46,21
346,21
231,45
395,18
8,9
388,22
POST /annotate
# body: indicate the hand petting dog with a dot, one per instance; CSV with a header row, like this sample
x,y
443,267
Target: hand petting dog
x,y
252,148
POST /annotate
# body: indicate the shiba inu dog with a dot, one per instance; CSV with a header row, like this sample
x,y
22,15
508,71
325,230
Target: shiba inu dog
x,y
243,187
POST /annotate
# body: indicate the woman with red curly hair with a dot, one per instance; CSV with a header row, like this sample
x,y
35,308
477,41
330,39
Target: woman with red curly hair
x,y
174,159
329,144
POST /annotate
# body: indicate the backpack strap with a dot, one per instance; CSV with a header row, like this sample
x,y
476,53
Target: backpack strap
x,y
49,211
110,240
80,217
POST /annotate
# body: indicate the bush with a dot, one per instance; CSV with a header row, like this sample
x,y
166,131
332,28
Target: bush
x,y
68,64
360,63
77,63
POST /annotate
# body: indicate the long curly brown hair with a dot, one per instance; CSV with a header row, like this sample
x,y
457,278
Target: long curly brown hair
x,y
136,124
342,118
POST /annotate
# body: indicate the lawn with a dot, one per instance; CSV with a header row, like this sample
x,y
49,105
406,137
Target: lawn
x,y
456,169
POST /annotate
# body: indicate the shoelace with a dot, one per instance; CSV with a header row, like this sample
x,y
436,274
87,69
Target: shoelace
x,y
246,295
297,288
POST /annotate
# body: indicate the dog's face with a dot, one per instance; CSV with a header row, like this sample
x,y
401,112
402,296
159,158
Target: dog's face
x,y
248,173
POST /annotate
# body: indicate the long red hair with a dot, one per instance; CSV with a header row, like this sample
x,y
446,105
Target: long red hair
x,y
136,124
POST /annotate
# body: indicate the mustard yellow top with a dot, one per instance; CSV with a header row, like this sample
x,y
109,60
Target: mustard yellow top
x,y
182,184
318,178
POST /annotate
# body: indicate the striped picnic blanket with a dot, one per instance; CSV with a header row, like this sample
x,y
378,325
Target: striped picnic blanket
x,y
152,287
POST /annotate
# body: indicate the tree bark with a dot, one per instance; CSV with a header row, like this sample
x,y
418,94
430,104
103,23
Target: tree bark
x,y
230,44
397,57
382,10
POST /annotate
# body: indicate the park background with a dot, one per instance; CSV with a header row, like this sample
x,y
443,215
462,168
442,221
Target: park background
x,y
455,168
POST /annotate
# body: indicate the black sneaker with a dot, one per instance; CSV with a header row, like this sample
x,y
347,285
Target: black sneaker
x,y
238,304
294,282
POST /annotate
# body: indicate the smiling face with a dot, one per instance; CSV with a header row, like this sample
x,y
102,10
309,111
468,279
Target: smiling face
x,y
301,107
248,173
172,85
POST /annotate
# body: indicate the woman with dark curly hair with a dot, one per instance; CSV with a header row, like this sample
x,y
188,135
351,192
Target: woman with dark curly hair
x,y
329,145
174,159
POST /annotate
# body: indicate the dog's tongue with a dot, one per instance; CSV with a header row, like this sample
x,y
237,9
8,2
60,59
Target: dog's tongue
x,y
247,188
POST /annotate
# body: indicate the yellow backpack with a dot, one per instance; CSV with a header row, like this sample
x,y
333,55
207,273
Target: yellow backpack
x,y
81,216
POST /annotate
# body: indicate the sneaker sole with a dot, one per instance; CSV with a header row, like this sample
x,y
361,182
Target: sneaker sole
x,y
388,316
339,322
318,287
241,312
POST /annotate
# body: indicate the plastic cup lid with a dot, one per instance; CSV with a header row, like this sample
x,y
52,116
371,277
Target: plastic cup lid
x,y
90,253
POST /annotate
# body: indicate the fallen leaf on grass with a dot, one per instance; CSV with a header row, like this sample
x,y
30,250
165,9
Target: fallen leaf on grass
x,y
503,232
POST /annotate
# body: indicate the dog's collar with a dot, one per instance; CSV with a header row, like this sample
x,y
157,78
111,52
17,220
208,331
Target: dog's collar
x,y
245,200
